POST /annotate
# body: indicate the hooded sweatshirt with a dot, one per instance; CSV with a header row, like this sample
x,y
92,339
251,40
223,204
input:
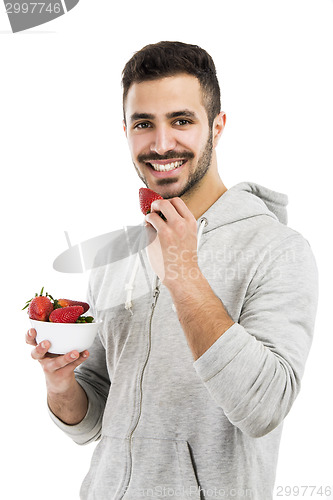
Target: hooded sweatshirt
x,y
172,427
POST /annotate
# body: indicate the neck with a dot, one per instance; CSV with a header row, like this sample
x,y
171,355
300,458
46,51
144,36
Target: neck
x,y
205,194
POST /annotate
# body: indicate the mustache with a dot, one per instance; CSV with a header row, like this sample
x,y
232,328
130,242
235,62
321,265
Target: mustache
x,y
186,155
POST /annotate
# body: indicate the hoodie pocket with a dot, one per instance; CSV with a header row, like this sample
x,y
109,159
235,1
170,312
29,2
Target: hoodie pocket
x,y
162,468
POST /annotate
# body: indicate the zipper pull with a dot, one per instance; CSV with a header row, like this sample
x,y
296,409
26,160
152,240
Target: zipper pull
x,y
156,291
155,297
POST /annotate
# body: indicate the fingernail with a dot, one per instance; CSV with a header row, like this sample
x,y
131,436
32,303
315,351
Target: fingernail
x,y
43,344
29,333
73,355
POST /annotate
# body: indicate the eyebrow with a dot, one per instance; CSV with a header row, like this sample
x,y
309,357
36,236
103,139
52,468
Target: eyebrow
x,y
185,112
175,114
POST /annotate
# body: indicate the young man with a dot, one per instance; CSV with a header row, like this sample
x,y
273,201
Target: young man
x,y
204,343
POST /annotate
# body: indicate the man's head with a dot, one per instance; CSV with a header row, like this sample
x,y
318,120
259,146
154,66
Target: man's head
x,y
164,59
172,119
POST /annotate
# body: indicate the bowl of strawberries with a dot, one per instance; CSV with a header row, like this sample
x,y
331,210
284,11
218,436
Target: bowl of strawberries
x,y
62,322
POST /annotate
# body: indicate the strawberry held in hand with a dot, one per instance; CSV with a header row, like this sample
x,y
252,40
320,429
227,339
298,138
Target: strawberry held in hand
x,y
146,197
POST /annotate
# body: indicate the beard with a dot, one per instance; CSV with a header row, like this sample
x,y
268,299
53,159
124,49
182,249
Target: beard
x,y
194,177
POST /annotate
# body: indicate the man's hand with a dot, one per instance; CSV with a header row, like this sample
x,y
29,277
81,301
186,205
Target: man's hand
x,y
66,398
173,256
173,253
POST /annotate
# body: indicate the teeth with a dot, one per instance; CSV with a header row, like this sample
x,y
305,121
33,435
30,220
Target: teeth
x,y
167,167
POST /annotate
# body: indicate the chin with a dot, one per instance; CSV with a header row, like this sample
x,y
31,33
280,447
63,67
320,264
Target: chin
x,y
166,190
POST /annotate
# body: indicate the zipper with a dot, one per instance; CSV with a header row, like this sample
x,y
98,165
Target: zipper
x,y
153,305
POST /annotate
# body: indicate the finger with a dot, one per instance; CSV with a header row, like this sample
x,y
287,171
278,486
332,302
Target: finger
x,y
30,337
167,209
155,220
40,351
181,208
83,357
150,234
73,358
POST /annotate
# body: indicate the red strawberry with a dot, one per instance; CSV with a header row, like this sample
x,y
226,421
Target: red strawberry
x,y
67,314
67,302
146,197
40,308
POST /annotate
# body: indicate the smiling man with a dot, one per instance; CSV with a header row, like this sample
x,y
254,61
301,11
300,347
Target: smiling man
x,y
206,332
173,127
173,147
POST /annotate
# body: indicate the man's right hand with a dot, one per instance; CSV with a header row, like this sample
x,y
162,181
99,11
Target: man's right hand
x,y
66,398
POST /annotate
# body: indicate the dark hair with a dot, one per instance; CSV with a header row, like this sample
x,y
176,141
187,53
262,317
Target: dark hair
x,y
165,59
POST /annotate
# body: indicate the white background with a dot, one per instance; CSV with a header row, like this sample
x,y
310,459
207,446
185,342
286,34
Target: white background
x,y
65,165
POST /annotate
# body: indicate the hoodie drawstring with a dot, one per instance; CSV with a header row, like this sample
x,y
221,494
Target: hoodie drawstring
x,y
129,287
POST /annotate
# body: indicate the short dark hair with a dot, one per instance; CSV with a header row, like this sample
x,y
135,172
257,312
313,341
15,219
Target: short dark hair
x,y
165,59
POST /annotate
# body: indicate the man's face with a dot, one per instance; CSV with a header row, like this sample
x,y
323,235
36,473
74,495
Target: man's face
x,y
168,134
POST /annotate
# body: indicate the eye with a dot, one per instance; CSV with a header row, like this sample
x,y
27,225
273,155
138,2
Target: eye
x,y
142,125
182,122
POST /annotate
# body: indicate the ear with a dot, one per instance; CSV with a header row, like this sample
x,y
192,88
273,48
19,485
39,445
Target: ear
x,y
124,127
218,127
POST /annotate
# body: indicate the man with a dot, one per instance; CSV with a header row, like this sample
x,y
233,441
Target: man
x,y
205,335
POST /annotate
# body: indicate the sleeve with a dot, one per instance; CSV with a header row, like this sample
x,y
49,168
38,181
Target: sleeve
x,y
93,377
253,371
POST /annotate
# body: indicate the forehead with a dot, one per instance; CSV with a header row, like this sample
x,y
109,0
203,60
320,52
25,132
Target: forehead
x,y
165,95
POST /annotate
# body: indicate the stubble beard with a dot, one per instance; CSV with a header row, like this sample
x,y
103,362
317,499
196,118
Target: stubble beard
x,y
194,177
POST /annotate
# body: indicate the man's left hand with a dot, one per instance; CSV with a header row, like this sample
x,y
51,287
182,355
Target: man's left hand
x,y
173,253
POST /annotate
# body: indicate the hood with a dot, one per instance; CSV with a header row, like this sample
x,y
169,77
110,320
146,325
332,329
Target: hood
x,y
245,200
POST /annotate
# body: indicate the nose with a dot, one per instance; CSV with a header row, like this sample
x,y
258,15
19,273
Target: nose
x,y
163,140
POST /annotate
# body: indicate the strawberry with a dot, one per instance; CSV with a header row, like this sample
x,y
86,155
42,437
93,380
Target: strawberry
x,y
40,307
67,302
146,197
68,314
46,308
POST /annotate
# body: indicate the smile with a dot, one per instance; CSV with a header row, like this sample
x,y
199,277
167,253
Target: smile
x,y
167,167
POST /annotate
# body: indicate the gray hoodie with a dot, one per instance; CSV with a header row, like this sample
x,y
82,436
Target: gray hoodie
x,y
210,429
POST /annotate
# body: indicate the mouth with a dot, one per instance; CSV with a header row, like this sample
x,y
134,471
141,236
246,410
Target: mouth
x,y
166,165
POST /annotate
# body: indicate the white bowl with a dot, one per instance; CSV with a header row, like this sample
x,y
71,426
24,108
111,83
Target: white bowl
x,y
66,337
